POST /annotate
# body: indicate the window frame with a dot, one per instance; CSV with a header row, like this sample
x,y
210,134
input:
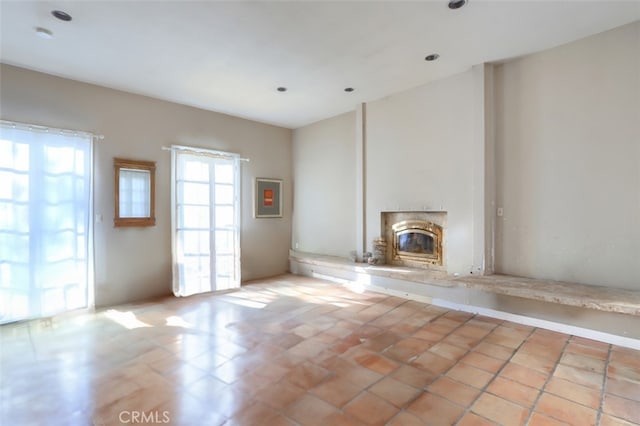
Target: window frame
x,y
149,166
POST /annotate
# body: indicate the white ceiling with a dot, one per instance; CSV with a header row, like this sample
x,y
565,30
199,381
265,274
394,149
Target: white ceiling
x,y
231,56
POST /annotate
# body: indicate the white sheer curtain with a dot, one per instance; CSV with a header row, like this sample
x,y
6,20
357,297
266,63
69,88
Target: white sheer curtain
x,y
205,197
45,231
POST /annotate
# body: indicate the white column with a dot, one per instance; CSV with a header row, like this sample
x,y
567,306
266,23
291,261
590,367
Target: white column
x,y
484,179
489,171
361,181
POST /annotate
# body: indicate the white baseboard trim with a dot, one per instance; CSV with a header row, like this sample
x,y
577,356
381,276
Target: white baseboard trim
x,y
587,333
404,295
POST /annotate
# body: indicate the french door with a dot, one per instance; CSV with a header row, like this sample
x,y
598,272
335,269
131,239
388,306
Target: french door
x,y
205,197
45,227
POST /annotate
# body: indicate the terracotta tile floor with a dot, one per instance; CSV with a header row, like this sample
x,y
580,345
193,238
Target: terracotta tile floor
x,y
294,350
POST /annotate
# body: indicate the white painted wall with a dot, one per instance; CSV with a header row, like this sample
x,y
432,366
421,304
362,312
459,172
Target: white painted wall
x,y
568,162
324,173
420,156
134,264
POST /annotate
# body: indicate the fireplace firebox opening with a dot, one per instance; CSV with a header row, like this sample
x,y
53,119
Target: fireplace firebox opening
x,y
414,239
417,241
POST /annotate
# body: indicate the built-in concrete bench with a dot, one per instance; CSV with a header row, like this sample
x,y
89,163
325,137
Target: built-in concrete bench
x,y
583,296
571,294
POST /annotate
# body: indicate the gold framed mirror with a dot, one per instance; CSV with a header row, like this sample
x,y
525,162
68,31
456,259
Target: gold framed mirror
x,y
135,192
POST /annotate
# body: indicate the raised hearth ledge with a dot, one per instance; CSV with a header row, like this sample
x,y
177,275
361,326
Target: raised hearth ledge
x,y
405,273
572,294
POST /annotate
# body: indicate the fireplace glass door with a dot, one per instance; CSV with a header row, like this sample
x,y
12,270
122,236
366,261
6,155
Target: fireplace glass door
x,y
416,242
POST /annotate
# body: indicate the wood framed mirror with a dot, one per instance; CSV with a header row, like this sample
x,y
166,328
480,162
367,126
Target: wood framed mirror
x,y
135,192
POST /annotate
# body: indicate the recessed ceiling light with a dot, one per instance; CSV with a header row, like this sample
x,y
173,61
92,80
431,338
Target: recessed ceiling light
x,y
432,57
63,16
282,89
349,89
457,4
44,33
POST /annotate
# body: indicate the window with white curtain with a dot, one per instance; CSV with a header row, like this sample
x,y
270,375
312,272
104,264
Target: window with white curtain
x,y
205,220
45,227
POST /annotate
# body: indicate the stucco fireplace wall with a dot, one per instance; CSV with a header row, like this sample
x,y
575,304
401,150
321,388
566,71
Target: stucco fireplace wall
x,y
420,157
559,130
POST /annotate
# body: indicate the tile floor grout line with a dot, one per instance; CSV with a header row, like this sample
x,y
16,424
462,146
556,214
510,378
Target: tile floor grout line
x,y
467,409
546,382
282,411
604,384
496,374
421,390
424,388
408,362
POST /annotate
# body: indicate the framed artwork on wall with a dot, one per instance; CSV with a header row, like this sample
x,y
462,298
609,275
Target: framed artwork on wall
x,y
268,198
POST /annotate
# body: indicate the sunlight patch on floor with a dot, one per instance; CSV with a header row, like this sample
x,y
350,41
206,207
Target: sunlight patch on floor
x,y
125,319
176,321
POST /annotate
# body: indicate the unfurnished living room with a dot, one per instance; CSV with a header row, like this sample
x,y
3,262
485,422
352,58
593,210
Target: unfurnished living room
x,y
320,212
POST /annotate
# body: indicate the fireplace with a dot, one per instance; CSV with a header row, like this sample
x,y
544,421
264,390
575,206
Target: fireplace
x,y
415,239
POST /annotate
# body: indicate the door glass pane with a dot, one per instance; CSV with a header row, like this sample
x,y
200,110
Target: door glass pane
x,y
60,188
14,248
195,274
194,169
224,216
224,173
193,217
14,217
194,193
195,242
58,246
14,156
59,159
224,242
58,216
224,265
14,186
224,194
224,282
